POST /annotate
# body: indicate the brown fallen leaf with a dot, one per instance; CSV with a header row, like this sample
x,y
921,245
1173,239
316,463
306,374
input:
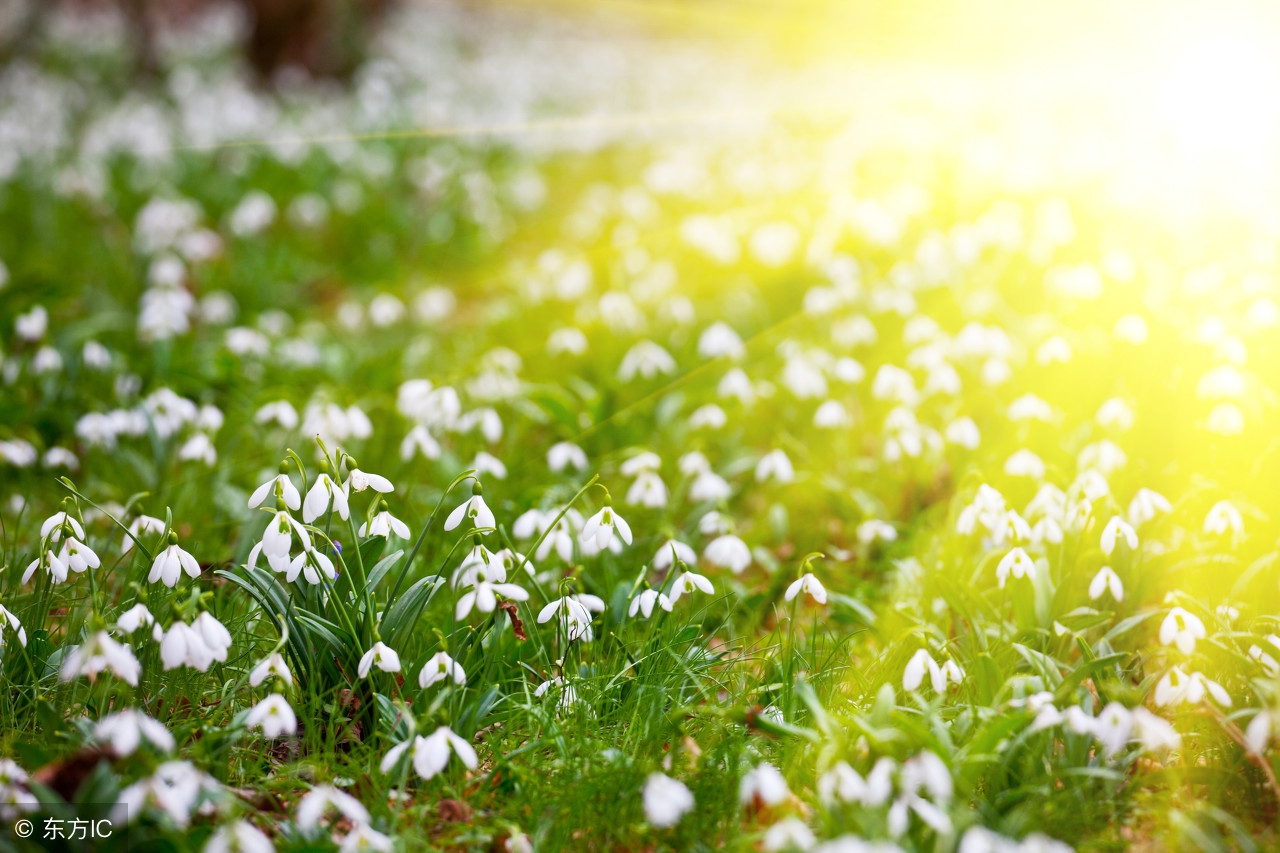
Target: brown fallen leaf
x,y
517,627
66,775
454,811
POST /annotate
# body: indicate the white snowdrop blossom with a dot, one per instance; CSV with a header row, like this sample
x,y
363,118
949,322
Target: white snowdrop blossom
x,y
441,667
239,836
666,800
575,616
1117,529
126,730
320,799
940,675
380,655
97,653
1223,518
384,524
687,582
807,583
274,716
1182,629
774,466
1177,686
763,786
473,508
323,494
170,564
645,602
1106,579
728,552
600,528
280,484
1016,563
196,645
273,665
358,481
429,755
566,454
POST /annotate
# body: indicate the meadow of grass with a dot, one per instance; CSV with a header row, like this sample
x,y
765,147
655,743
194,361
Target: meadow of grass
x,y
806,490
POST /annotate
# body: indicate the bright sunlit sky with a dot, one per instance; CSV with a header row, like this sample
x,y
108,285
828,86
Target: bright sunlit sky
x,y
1192,86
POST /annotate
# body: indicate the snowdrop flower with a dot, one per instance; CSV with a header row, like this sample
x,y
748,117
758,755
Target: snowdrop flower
x,y
1177,686
280,483
32,325
321,495
57,567
763,786
1258,733
1017,563
566,454
666,800
1182,629
807,583
14,624
196,645
358,481
430,754
419,441
274,665
673,551
239,836
1146,505
441,667
363,839
599,528
709,416
1112,727
175,788
384,524
709,486
645,601
720,339
1155,733
844,783
381,655
141,525
1024,463
323,797
790,833
310,563
99,652
963,432
923,772
473,508
1223,518
1106,579
277,540
728,552
575,616
687,582
279,412
831,415
1115,528
775,466
486,581
78,556
54,525
568,695
648,491
171,563
274,716
646,359
873,530
939,676
126,730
